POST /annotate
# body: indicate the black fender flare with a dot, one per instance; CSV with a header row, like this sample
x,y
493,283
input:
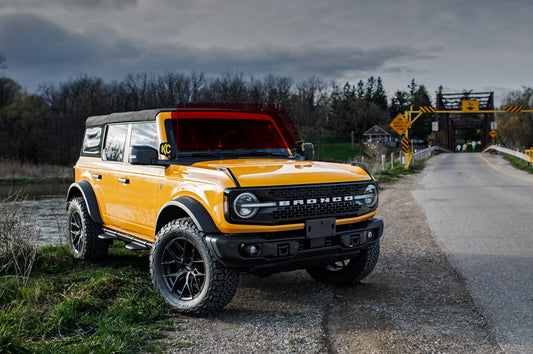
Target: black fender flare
x,y
86,190
194,209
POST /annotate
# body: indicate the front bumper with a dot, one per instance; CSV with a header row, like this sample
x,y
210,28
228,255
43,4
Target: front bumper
x,y
284,251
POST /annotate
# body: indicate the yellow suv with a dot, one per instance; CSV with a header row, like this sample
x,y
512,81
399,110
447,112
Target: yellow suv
x,y
216,190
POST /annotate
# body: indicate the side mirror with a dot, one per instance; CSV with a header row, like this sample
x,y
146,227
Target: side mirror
x,y
307,150
143,155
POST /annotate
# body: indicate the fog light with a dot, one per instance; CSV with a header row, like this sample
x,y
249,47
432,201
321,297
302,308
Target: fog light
x,y
370,235
251,250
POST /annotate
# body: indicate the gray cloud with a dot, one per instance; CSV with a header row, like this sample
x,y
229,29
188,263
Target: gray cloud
x,y
81,4
31,43
304,60
34,44
460,43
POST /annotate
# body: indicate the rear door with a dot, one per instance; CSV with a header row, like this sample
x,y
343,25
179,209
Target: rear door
x,y
107,173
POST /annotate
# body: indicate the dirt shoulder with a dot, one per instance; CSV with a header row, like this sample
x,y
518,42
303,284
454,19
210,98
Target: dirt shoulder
x,y
413,302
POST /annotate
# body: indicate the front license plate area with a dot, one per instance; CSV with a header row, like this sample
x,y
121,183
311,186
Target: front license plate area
x,y
320,228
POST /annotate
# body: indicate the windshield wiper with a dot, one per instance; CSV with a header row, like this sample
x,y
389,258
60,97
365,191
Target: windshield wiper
x,y
209,153
264,153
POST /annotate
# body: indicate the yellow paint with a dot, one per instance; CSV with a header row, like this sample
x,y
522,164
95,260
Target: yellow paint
x,y
504,172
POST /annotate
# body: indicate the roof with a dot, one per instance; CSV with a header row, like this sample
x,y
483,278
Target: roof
x,y
378,129
277,112
125,117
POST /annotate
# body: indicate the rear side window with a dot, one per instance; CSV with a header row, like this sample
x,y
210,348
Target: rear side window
x,y
114,142
144,134
92,142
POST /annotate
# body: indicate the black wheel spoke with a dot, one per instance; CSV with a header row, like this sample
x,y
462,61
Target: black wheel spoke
x,y
175,258
183,269
177,278
76,231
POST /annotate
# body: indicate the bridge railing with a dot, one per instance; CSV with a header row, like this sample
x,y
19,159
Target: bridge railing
x,y
423,154
503,150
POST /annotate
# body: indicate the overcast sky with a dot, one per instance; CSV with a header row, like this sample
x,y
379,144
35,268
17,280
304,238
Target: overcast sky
x,y
480,45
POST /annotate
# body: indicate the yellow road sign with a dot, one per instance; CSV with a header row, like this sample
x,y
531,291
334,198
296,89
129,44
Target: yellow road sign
x,y
399,124
470,106
493,133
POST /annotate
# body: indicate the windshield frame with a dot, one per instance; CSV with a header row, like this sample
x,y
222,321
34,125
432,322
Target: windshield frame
x,y
283,152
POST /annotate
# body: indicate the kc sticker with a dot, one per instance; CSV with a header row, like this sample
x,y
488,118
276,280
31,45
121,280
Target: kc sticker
x,y
165,149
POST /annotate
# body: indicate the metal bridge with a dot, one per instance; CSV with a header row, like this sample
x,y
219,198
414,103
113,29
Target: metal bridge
x,y
454,113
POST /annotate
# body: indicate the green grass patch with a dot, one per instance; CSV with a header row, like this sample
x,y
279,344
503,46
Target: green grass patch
x,y
337,149
519,163
393,174
73,306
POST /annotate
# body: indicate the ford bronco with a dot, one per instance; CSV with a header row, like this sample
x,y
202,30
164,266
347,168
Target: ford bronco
x,y
216,190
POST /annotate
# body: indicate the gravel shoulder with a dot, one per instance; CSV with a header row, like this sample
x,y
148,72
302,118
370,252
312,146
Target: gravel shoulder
x,y
414,301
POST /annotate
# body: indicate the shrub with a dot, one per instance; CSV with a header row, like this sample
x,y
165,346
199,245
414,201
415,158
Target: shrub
x,y
18,237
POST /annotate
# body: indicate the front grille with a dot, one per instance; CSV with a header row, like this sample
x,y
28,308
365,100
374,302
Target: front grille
x,y
294,212
306,211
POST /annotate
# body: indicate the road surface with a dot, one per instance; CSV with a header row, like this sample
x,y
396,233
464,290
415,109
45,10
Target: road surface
x,y
480,211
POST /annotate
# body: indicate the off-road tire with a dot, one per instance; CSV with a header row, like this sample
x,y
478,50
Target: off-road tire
x,y
185,273
348,271
82,233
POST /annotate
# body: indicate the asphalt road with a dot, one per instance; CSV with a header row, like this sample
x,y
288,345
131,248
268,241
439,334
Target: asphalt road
x,y
480,211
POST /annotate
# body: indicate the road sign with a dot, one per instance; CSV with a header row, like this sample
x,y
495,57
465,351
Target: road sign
x,y
399,124
434,126
470,106
514,109
493,126
405,145
493,133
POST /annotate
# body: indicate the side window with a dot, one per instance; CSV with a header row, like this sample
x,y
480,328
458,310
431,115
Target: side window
x,y
92,142
114,142
144,134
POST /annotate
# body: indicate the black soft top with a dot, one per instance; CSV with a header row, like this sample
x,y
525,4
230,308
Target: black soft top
x,y
125,117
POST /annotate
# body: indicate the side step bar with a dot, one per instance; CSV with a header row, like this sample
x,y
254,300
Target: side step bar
x,y
132,243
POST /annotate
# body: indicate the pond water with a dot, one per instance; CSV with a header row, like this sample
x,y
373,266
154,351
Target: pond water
x,y
46,206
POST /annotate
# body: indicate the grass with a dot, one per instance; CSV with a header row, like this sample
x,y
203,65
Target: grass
x,y
17,173
519,163
73,306
340,150
393,174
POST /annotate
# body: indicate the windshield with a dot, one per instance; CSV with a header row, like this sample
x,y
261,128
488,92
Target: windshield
x,y
253,137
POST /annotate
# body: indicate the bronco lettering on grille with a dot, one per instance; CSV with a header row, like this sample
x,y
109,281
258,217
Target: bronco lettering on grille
x,y
347,198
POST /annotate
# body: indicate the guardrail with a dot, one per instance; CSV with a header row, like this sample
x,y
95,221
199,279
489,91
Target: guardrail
x,y
517,154
422,154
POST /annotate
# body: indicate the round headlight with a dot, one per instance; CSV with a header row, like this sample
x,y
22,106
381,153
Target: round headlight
x,y
242,207
371,196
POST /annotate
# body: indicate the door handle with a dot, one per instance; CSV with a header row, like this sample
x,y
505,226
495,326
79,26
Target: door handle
x,y
97,176
124,180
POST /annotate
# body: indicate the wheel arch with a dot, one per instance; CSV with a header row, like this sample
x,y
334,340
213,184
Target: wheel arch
x,y
84,189
186,207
